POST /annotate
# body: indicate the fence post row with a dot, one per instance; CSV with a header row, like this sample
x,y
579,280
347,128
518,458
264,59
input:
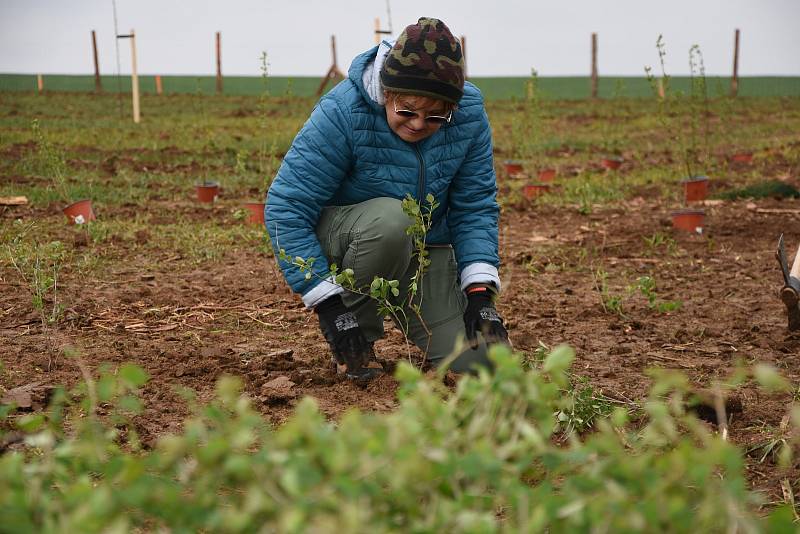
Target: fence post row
x,y
334,71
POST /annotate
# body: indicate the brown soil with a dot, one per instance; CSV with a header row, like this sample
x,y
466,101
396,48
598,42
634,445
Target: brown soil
x,y
187,324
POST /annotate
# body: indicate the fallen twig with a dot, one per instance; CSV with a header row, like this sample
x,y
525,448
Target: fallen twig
x,y
670,359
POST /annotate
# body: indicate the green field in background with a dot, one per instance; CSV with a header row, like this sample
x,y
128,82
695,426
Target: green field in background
x,y
493,88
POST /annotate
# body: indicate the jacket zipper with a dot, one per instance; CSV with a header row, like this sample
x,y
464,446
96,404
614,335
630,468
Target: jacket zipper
x,y
421,178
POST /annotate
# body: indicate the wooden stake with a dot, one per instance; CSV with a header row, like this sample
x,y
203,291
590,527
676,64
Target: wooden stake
x,y
464,54
379,32
594,65
159,89
40,83
219,63
735,78
333,72
98,85
134,80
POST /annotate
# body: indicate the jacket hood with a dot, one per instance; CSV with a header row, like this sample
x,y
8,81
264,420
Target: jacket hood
x,y
364,70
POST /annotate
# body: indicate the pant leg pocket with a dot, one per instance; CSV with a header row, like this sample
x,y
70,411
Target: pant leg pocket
x,y
329,231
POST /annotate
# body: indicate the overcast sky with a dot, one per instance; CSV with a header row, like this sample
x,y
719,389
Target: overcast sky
x,y
504,37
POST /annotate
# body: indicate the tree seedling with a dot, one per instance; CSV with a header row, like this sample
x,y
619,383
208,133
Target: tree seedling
x,y
387,293
644,285
51,162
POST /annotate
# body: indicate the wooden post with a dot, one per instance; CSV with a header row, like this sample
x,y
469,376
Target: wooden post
x,y
594,65
219,63
40,83
134,80
464,53
735,78
333,53
98,85
159,88
379,32
333,72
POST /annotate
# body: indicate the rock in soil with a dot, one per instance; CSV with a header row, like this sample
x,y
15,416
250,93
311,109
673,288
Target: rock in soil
x,y
19,397
277,390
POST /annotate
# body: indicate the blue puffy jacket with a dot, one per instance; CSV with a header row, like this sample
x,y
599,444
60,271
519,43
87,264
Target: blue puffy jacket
x,y
346,154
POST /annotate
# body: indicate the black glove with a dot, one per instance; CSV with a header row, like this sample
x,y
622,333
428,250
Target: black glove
x,y
347,341
481,316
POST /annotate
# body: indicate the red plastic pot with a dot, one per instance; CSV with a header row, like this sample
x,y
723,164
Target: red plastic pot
x,y
695,189
532,191
80,212
512,167
207,191
547,175
611,163
689,220
742,157
255,212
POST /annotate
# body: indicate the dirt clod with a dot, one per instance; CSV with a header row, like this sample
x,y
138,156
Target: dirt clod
x,y
280,389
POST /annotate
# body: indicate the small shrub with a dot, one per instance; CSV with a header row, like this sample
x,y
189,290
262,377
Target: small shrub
x,y
479,458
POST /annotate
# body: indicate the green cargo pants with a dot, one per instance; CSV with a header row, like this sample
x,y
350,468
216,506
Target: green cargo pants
x,y
370,238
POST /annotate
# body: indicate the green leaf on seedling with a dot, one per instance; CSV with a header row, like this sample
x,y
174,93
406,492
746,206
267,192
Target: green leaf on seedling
x,y
785,456
669,306
769,378
130,404
133,375
619,417
105,388
559,359
30,423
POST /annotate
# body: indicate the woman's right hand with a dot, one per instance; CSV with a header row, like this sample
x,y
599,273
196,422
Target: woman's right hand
x,y
345,337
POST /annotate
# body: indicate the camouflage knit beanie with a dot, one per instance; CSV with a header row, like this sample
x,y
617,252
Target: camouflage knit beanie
x,y
426,60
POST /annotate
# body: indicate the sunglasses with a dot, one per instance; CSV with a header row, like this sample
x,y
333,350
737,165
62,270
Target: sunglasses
x,y
430,119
